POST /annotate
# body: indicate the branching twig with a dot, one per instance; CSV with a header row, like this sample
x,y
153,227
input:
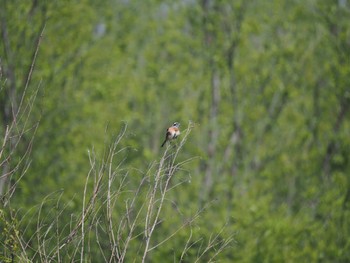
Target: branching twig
x,y
151,223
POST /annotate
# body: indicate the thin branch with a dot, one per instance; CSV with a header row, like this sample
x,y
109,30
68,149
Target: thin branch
x,y
31,69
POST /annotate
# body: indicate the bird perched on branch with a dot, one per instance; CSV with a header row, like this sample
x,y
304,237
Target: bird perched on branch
x,y
172,132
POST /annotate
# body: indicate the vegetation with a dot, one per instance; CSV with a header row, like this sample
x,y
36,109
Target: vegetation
x,y
259,174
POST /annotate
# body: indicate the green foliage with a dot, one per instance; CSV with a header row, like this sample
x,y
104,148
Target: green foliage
x,y
266,84
9,237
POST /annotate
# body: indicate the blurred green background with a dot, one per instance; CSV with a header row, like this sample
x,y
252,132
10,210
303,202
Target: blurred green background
x,y
265,83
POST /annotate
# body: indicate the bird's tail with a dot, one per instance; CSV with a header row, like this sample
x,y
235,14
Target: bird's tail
x,y
163,143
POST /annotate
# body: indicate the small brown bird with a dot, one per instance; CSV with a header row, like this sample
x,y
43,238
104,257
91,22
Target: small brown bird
x,y
172,132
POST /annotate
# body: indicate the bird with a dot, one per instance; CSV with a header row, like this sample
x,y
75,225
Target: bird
x,y
172,132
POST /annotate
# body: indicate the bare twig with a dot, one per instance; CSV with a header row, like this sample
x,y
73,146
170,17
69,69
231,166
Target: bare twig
x,y
151,222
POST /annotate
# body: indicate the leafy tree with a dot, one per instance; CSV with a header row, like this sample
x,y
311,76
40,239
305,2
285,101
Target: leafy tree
x,y
264,86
